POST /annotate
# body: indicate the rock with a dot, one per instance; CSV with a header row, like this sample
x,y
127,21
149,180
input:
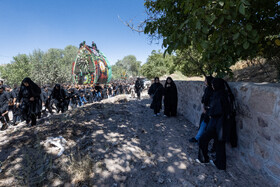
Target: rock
x,y
262,101
143,167
274,170
187,184
261,149
161,180
201,177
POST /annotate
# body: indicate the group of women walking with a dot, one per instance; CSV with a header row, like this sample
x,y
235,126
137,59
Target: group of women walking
x,y
169,92
217,119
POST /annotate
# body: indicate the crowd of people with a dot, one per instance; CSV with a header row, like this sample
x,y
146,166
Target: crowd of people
x,y
30,102
217,121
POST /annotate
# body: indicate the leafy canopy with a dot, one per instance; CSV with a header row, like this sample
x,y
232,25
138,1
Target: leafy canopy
x,y
221,31
157,65
128,65
53,66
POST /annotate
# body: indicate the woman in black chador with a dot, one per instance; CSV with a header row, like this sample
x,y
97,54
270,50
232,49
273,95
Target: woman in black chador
x,y
59,95
156,92
170,98
217,127
29,95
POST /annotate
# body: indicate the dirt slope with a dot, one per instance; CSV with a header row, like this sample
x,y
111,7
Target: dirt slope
x,y
114,143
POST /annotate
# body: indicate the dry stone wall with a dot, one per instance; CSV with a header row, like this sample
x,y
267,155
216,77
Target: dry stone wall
x,y
258,121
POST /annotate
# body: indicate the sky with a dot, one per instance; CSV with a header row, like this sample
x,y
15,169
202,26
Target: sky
x,y
27,25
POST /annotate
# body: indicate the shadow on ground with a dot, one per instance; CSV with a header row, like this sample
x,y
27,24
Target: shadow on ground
x,y
112,144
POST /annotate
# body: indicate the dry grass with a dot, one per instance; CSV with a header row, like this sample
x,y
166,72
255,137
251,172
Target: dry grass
x,y
80,168
35,166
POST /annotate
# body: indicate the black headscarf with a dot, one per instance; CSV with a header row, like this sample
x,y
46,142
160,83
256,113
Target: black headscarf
x,y
171,83
58,93
209,80
33,88
156,78
218,84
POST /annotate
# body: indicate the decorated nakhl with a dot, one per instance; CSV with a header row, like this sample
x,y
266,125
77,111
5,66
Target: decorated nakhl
x,y
91,66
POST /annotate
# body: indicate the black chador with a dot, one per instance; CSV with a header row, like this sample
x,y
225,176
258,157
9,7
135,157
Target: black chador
x,y
208,92
4,99
138,87
59,95
216,128
156,92
29,96
74,97
170,98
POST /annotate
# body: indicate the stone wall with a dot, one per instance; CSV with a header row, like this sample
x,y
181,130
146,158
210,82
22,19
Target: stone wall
x,y
258,121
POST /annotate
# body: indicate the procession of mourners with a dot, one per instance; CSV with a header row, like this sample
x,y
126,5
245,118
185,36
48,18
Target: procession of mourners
x,y
29,102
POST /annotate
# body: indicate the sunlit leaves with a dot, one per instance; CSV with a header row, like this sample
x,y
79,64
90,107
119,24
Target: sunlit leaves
x,y
233,28
157,65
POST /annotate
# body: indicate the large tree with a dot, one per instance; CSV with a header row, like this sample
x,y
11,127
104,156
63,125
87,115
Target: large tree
x,y
221,31
128,65
157,65
17,70
53,66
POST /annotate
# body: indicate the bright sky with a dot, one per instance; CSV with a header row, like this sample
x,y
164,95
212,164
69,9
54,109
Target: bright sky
x,y
42,24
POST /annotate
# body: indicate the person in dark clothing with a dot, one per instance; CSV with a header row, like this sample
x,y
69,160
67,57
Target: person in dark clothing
x,y
15,110
74,97
105,92
110,91
204,119
59,95
98,90
29,96
12,98
138,87
121,88
156,92
49,102
2,84
88,94
170,98
218,112
82,99
4,107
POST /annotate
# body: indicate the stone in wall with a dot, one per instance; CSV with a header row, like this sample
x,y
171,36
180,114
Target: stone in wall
x,y
273,169
255,162
262,149
276,156
262,101
243,110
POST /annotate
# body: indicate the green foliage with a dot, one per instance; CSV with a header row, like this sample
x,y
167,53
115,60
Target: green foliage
x,y
117,71
157,65
188,62
53,66
128,65
222,31
17,70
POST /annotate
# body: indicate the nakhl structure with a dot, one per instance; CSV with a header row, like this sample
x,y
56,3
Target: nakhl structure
x,y
91,66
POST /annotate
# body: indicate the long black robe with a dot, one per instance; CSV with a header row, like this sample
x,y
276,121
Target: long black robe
x,y
208,92
29,109
59,95
156,90
216,129
170,99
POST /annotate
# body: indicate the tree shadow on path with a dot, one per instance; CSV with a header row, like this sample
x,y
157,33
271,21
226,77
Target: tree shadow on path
x,y
111,144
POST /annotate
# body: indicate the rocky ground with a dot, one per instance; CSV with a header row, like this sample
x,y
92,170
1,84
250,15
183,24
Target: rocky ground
x,y
114,143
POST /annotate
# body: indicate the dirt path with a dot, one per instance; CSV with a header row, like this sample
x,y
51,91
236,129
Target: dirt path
x,y
114,143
